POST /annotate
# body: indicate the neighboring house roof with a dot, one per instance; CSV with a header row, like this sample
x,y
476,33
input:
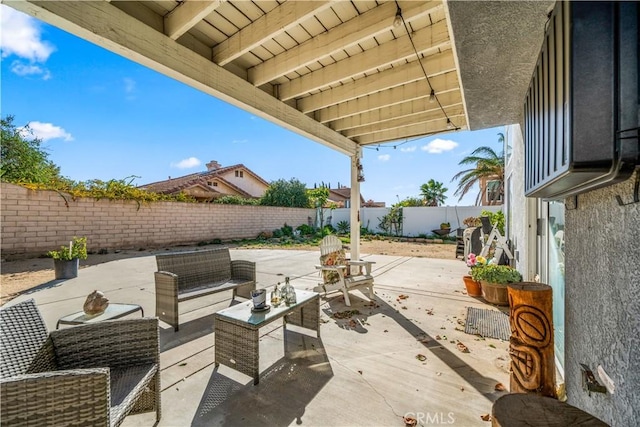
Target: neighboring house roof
x,y
342,194
201,180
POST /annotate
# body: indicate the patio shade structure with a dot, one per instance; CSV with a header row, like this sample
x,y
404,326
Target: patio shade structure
x,y
346,74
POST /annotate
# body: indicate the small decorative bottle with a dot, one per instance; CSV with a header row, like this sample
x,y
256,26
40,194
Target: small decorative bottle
x,y
289,291
275,296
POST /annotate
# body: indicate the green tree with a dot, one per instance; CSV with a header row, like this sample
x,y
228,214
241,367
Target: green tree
x,y
411,202
292,193
433,193
488,165
22,159
318,198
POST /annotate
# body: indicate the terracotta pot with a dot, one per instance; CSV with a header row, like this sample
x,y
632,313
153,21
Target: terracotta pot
x,y
495,293
473,287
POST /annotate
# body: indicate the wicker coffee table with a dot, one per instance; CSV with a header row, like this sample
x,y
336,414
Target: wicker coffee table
x,y
236,330
113,311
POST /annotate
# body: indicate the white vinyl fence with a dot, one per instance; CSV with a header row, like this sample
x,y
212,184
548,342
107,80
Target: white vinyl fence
x,y
415,221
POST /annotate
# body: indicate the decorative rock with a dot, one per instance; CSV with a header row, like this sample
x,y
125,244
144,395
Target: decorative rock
x,y
95,303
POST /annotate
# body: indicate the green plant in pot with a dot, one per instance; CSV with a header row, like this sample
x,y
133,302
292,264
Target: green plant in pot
x,y
67,259
445,226
494,279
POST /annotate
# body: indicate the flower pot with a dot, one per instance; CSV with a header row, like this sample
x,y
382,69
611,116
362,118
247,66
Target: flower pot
x,y
66,269
473,287
495,293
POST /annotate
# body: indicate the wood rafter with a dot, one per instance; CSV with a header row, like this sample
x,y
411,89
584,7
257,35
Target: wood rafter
x,y
188,14
431,38
404,109
280,19
344,36
398,76
401,122
416,130
107,26
396,95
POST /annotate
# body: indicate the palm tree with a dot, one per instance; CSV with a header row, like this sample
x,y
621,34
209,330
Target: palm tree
x,y
487,165
433,193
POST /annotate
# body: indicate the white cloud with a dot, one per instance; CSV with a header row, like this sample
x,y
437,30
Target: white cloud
x,y
22,69
189,163
239,141
21,36
129,85
408,149
438,146
384,157
45,131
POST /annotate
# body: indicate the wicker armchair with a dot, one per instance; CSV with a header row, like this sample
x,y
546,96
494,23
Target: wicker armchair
x,y
86,375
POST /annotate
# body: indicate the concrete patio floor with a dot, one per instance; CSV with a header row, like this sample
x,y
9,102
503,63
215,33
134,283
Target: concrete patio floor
x,y
362,371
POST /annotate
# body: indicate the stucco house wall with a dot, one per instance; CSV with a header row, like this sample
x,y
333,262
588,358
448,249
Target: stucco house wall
x,y
602,244
517,206
247,182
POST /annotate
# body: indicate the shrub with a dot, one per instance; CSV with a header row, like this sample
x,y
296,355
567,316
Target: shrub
x,y
343,227
495,218
305,229
77,249
494,273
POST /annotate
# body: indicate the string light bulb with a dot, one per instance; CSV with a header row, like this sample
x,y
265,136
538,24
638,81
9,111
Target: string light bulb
x,y
432,96
397,21
449,124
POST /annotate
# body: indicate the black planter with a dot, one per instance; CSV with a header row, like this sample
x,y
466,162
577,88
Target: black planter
x,y
66,269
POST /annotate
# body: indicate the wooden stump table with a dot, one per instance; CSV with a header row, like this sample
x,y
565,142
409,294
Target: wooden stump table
x,y
531,341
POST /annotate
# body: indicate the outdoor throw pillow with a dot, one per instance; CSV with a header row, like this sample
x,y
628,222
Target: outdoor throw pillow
x,y
333,258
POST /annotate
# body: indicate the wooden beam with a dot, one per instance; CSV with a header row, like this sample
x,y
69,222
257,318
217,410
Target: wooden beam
x,y
107,26
348,34
400,122
421,129
412,106
188,14
443,83
432,38
277,21
392,77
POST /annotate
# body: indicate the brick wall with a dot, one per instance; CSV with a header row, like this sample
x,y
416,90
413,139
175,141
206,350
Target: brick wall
x,y
34,222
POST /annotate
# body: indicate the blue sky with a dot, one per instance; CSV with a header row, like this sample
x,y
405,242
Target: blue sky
x,y
101,116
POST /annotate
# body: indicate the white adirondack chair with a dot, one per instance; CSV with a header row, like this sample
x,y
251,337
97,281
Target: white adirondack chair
x,y
337,272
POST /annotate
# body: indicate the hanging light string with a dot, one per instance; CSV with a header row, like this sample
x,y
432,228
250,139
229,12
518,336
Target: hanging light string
x,y
406,141
432,92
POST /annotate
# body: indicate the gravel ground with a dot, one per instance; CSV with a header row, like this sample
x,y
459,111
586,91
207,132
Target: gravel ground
x,y
21,275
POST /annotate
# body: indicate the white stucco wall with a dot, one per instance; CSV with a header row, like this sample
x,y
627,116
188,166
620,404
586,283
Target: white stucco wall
x,y
518,208
416,221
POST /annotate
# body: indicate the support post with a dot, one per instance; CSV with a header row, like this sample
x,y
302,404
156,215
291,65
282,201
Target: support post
x,y
531,342
355,206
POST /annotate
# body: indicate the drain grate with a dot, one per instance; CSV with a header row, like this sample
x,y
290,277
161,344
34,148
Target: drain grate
x,y
487,323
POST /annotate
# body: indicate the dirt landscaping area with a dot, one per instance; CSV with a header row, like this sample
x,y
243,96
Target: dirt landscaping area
x,y
21,275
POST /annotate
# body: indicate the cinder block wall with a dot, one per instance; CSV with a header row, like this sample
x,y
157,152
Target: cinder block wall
x,y
34,222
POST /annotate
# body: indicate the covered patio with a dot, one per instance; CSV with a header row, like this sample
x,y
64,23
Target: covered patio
x,y
347,75
397,357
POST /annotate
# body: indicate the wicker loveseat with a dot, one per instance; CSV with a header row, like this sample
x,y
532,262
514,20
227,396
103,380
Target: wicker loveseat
x,y
85,375
186,275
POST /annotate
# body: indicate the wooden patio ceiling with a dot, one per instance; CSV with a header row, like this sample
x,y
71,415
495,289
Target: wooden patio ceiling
x,y
338,72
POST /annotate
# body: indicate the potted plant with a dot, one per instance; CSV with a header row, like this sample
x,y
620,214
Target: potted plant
x,y
67,259
494,279
445,226
475,263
